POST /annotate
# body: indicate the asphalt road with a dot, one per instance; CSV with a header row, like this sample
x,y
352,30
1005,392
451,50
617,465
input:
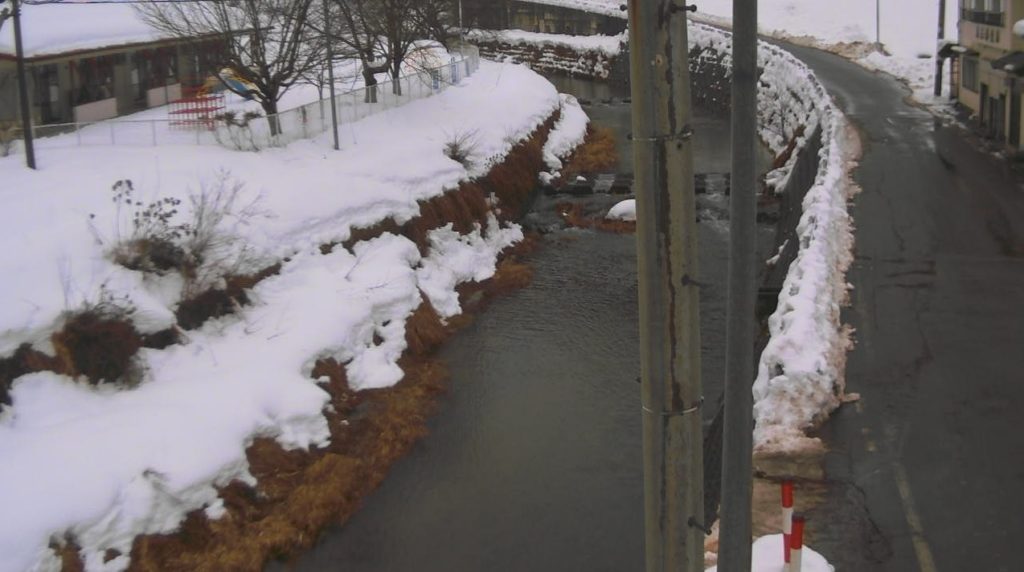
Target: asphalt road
x,y
933,454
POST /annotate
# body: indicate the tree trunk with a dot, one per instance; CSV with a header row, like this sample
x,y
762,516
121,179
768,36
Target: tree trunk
x,y
371,87
273,121
396,78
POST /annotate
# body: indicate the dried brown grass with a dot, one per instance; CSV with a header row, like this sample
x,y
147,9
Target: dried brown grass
x,y
216,302
99,347
597,154
783,157
24,360
572,214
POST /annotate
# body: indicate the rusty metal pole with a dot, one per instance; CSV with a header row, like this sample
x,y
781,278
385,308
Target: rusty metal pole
x,y
668,287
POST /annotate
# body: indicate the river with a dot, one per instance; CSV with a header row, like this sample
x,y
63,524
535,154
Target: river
x,y
533,461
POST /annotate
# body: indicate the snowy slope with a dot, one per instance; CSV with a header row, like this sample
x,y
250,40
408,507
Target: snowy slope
x,y
107,464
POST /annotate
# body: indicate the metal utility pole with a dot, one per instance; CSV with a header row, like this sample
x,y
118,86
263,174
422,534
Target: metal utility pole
x,y
330,76
26,116
737,467
938,60
878,25
668,287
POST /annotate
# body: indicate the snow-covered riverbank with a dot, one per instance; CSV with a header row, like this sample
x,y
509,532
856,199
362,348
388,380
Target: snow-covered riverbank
x,y
100,465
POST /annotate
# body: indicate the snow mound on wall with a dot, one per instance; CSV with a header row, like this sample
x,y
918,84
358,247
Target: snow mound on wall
x,y
568,133
608,45
800,372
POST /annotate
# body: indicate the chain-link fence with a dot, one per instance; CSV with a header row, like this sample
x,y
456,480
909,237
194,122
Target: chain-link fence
x,y
302,122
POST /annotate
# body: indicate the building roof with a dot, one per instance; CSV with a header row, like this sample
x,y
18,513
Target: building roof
x,y
53,29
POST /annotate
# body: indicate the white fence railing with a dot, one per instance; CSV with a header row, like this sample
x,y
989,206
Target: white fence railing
x,y
301,122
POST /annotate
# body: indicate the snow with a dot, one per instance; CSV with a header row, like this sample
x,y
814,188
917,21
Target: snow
x,y
106,464
568,133
847,27
766,556
625,210
49,29
608,45
800,372
603,7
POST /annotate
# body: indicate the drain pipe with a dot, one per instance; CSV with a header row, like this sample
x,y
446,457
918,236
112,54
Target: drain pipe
x,y
737,465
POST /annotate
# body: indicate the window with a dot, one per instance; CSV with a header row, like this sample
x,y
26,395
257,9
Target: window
x,y
96,79
969,79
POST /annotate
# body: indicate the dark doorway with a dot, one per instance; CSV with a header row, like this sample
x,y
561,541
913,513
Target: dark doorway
x,y
983,112
1015,120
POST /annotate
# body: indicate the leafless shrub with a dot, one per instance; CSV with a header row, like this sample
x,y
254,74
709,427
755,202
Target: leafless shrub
x,y
234,130
8,135
214,241
461,147
150,238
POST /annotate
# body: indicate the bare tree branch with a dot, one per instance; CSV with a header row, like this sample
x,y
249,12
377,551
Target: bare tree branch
x,y
267,43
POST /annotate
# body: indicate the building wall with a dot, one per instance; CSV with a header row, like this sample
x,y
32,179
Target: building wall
x,y
66,68
557,20
992,99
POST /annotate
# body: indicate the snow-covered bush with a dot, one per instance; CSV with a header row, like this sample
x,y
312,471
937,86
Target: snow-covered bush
x,y
205,248
145,238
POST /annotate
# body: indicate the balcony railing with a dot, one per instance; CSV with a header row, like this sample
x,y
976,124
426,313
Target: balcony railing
x,y
983,17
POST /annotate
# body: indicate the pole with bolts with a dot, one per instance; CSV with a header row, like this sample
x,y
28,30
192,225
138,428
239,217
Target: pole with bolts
x,y
668,287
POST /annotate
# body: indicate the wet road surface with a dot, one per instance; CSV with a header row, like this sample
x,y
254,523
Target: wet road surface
x,y
933,454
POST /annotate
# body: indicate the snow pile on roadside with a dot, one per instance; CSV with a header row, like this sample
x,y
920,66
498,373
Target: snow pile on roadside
x,y
848,28
789,97
766,556
625,210
568,133
800,372
105,464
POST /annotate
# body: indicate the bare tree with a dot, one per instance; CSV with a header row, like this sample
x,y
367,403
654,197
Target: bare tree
x,y
437,20
356,30
5,13
267,43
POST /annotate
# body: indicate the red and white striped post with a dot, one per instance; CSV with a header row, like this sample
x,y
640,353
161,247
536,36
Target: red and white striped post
x,y
796,544
787,518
